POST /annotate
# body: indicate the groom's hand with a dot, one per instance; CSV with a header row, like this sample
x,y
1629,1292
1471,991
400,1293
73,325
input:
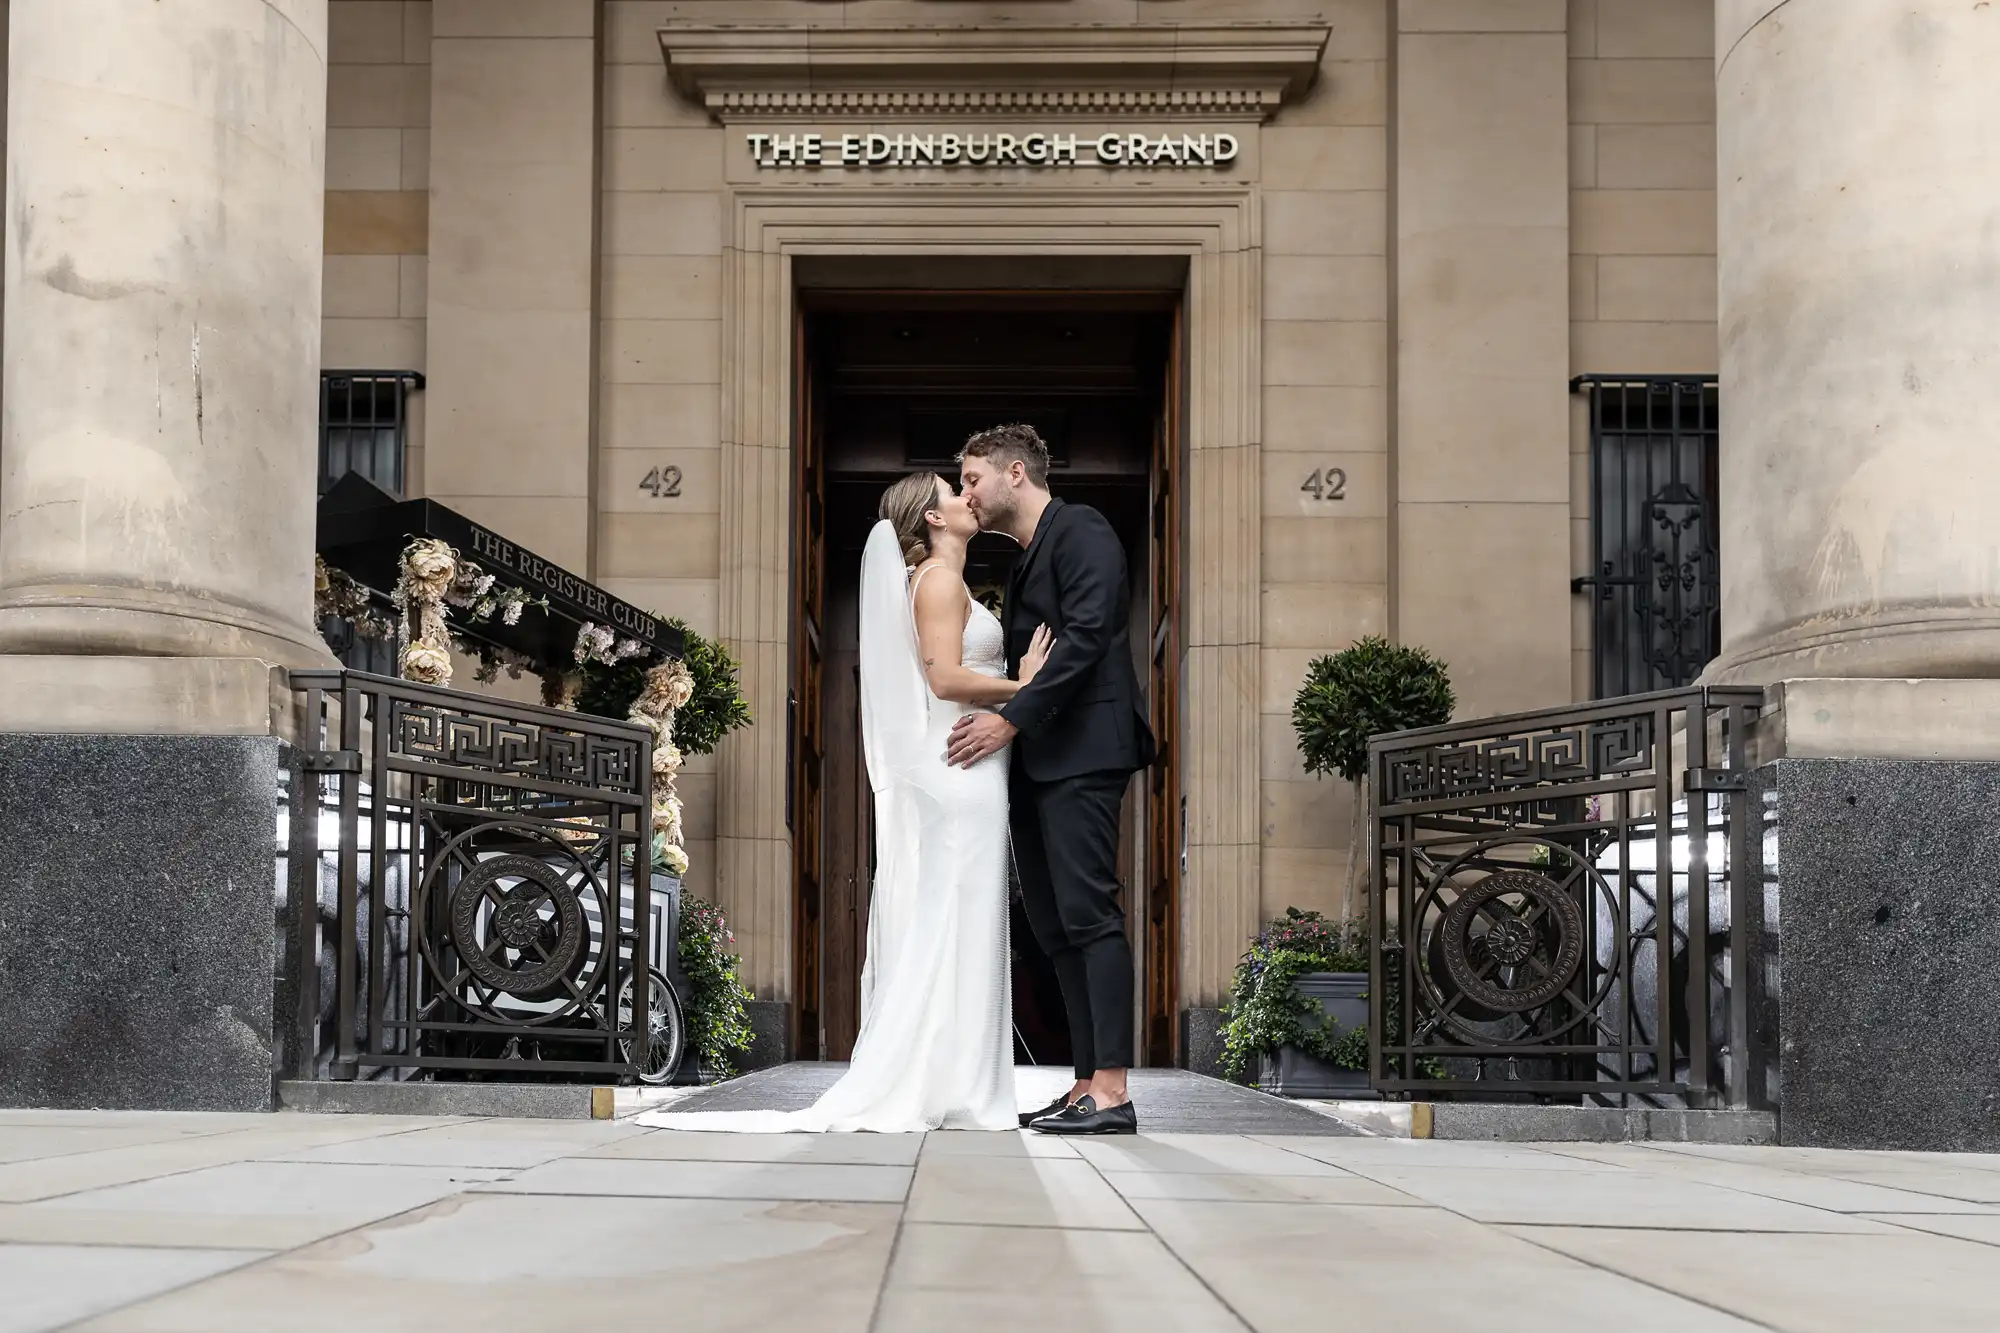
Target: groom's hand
x,y
976,736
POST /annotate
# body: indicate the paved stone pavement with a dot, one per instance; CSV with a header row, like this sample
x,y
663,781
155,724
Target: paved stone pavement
x,y
150,1223
1170,1101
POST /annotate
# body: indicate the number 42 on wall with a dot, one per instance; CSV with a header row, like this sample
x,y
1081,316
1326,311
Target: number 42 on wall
x,y
1326,484
662,483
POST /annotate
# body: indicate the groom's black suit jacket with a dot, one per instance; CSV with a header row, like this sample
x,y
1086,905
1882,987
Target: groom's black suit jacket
x,y
1082,713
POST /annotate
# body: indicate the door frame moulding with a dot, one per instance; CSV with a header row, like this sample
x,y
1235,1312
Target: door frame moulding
x,y
1217,231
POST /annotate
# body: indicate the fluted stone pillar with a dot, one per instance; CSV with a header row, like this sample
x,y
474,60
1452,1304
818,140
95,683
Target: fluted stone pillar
x,y
1858,178
1859,246
166,164
165,177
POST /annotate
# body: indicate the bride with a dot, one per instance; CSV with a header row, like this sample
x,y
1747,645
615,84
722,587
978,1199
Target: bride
x,y
935,1048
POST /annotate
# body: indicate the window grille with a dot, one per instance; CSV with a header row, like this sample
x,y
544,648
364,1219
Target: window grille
x,y
364,425
1654,582
364,428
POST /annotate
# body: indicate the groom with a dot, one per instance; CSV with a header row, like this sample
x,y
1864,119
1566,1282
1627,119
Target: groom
x,y
1079,733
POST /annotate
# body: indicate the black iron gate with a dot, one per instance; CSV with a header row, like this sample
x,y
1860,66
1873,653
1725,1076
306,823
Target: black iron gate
x,y
493,885
1524,937
1654,580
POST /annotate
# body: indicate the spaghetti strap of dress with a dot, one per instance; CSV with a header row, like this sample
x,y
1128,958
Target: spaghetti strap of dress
x,y
919,578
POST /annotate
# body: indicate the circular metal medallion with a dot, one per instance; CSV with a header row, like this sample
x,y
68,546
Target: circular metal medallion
x,y
542,947
1531,948
518,918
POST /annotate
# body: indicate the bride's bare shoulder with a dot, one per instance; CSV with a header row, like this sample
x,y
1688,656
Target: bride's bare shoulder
x,y
941,591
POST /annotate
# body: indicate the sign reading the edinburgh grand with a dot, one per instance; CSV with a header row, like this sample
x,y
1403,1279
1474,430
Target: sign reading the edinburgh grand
x,y
993,150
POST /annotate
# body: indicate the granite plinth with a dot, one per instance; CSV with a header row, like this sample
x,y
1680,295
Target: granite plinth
x,y
136,926
1201,1041
770,1034
1889,928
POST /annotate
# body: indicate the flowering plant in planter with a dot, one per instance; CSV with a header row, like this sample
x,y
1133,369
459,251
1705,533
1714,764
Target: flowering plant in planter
x,y
718,1024
1266,1010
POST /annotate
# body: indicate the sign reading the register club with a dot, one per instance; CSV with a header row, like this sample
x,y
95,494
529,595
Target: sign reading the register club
x,y
992,150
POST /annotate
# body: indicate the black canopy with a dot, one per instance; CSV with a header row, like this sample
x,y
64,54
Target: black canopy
x,y
363,531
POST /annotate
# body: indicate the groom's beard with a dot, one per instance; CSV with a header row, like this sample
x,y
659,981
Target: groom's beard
x,y
996,516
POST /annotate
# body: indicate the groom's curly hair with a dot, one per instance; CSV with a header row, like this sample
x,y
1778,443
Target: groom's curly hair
x,y
1004,445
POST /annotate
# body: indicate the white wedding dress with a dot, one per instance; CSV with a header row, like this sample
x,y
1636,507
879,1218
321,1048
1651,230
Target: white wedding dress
x,y
935,1049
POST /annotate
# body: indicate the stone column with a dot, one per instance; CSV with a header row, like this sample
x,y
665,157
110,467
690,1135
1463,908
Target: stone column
x,y
1859,257
1859,229
164,214
165,168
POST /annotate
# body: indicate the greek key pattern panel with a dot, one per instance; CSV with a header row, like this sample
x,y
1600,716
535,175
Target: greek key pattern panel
x,y
513,746
1615,747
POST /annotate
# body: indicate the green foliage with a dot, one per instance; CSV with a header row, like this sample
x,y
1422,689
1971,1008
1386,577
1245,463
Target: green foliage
x,y
718,1024
1373,687
715,709
1266,1010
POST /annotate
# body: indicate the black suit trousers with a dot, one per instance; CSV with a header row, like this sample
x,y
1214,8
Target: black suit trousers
x,y
1066,854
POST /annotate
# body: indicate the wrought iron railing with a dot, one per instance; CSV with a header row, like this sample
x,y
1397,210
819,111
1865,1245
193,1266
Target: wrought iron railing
x,y
491,885
1524,938
1654,578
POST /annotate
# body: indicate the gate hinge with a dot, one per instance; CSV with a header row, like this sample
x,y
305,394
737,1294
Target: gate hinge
x,y
1717,779
331,761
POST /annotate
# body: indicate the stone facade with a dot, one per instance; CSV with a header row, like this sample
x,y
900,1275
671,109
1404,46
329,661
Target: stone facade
x,y
1399,275
1642,218
1444,212
378,176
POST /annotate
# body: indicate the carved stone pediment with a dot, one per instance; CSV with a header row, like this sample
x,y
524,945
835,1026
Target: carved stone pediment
x,y
1180,72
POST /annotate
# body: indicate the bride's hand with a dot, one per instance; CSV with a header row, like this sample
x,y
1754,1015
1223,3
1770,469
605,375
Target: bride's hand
x,y
1038,652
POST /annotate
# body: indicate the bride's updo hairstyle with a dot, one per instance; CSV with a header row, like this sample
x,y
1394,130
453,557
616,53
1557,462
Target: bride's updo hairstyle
x,y
904,506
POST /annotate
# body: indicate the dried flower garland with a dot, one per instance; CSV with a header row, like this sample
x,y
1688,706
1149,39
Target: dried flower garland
x,y
431,576
668,688
493,660
597,643
426,573
473,591
560,689
338,595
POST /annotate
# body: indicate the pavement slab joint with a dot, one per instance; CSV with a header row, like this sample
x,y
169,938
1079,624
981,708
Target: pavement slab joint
x,y
123,1224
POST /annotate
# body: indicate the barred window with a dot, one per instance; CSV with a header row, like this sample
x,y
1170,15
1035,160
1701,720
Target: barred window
x,y
364,425
364,428
1654,581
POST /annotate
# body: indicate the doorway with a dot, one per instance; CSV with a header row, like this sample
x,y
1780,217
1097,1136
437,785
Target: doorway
x,y
889,381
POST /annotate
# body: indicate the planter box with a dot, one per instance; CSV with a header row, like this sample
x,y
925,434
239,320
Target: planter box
x,y
1343,996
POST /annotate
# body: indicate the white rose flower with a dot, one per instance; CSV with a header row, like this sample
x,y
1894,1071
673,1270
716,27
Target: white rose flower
x,y
426,664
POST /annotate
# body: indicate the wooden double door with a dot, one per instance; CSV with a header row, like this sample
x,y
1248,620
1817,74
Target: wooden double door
x,y
882,389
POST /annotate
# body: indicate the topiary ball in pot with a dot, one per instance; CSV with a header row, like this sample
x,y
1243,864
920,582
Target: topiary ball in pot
x,y
1370,688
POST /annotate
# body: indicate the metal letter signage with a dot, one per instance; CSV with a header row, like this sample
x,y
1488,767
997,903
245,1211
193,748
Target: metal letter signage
x,y
1034,151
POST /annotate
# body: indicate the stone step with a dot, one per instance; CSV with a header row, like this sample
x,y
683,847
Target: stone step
x,y
1512,1123
517,1101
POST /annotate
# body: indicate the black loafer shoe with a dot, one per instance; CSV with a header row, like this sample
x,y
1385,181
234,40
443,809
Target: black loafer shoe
x,y
1056,1107
1083,1117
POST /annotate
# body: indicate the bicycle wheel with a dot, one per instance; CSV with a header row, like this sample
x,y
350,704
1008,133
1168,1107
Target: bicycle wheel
x,y
668,1027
